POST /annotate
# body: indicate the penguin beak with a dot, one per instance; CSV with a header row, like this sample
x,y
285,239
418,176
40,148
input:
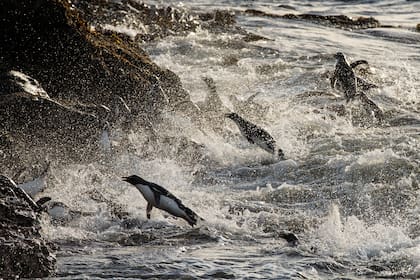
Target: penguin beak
x,y
125,179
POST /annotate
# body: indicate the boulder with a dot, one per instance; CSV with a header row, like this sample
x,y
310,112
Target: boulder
x,y
23,252
338,21
93,79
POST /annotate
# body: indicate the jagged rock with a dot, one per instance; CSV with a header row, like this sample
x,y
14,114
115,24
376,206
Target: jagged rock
x,y
90,78
148,22
339,21
23,252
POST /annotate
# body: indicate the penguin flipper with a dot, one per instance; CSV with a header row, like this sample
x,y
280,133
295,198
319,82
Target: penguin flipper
x,y
43,200
157,198
358,62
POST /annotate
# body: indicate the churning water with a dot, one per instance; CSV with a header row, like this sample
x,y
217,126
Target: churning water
x,y
349,188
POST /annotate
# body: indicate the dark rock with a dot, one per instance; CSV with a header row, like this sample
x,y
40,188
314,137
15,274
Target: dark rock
x,y
23,252
288,7
339,21
418,27
86,74
149,21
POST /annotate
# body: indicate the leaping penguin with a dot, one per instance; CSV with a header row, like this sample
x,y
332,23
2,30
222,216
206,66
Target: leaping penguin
x,y
256,135
159,197
344,77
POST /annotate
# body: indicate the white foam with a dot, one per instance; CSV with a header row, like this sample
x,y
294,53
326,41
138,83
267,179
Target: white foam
x,y
131,32
350,236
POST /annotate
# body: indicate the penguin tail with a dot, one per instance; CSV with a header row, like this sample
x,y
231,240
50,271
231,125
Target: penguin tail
x,y
192,218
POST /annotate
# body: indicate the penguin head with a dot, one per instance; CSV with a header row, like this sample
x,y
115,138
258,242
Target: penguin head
x,y
339,56
134,180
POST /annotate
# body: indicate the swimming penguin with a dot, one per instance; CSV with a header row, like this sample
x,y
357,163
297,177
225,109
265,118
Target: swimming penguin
x,y
291,238
159,197
256,135
59,212
344,77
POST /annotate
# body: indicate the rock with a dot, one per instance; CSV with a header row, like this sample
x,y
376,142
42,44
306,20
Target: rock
x,y
339,21
418,27
23,252
149,22
85,73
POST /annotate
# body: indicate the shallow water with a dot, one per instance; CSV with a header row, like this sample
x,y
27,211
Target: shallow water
x,y
349,188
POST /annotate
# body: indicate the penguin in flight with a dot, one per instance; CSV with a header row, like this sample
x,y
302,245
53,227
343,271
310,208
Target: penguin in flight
x,y
256,135
344,77
159,197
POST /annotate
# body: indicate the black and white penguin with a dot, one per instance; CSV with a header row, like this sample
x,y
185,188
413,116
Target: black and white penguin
x,y
256,135
59,212
344,78
159,197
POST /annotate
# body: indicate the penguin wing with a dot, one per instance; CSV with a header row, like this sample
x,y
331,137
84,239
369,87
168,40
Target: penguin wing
x,y
159,190
191,216
358,62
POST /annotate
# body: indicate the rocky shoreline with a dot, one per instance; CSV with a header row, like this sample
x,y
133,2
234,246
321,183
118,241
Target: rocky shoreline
x,y
23,252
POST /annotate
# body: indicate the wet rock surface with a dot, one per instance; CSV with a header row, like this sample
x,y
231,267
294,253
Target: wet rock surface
x,y
339,21
93,79
148,22
23,252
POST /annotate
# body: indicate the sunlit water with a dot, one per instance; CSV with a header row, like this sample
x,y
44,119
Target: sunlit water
x,y
349,188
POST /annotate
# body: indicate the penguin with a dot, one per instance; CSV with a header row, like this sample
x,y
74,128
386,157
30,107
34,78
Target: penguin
x,y
256,135
344,77
291,238
59,212
159,197
348,82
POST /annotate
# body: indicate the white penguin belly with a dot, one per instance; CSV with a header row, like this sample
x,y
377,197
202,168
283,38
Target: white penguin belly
x,y
147,193
171,206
